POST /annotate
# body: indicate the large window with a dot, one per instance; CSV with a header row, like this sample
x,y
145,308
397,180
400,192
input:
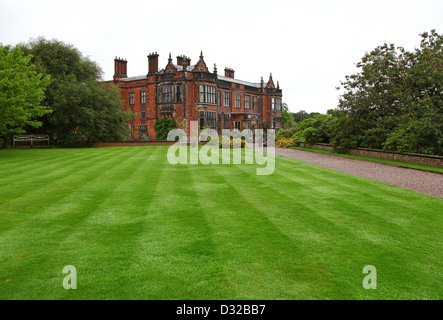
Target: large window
x,y
207,94
208,119
170,94
226,99
211,118
131,98
255,103
247,102
166,94
142,115
226,121
219,98
276,104
237,100
210,95
142,97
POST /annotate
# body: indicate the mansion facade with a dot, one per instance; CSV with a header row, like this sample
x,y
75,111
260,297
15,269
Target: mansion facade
x,y
186,92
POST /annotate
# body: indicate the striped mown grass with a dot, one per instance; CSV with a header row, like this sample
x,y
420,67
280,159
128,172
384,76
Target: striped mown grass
x,y
136,227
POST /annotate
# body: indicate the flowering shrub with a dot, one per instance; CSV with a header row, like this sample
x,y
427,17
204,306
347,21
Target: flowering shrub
x,y
229,141
285,143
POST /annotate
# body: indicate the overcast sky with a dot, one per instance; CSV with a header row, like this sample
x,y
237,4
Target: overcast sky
x,y
309,46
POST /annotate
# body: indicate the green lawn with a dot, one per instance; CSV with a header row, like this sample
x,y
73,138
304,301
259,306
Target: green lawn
x,y
136,227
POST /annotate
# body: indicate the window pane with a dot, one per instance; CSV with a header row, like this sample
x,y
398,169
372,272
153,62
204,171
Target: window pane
x,y
179,93
247,102
142,97
237,100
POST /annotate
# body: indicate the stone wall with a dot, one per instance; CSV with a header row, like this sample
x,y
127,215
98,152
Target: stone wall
x,y
435,161
320,146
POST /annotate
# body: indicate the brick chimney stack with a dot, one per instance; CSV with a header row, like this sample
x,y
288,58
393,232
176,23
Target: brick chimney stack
x,y
180,60
120,68
229,73
153,63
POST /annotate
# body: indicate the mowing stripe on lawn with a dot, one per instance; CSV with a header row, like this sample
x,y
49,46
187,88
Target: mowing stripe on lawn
x,y
17,184
177,259
27,157
31,200
389,195
308,271
258,254
19,176
38,160
105,246
33,243
343,212
138,228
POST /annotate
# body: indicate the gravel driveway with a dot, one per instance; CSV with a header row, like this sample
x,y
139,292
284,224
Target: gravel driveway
x,y
426,182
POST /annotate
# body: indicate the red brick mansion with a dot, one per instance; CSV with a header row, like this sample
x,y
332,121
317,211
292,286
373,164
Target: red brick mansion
x,y
186,92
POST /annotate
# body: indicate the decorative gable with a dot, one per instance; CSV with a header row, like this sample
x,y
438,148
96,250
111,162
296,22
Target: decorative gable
x,y
270,83
201,65
170,67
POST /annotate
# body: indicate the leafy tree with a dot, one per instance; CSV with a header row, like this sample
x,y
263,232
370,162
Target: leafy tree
x,y
89,112
287,119
21,92
372,99
302,115
287,133
319,130
84,109
314,130
421,135
311,130
162,128
62,61
394,102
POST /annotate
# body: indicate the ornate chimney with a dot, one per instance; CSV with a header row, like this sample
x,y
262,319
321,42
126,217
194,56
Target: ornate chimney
x,y
153,63
229,73
180,60
120,68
